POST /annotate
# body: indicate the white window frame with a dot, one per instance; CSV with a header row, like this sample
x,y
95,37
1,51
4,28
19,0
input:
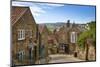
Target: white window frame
x,y
21,34
73,37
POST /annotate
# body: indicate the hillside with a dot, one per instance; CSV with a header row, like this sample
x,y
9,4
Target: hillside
x,y
52,26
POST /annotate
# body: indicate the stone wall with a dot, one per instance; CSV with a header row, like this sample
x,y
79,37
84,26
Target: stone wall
x,y
81,53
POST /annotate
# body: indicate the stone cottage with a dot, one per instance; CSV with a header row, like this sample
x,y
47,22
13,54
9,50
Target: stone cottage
x,y
43,43
23,33
67,37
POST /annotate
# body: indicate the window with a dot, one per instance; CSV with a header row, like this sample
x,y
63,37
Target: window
x,y
21,55
73,37
21,34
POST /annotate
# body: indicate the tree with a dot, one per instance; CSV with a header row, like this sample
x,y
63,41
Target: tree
x,y
89,33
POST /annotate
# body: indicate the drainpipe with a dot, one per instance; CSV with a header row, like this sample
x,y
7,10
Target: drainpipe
x,y
37,49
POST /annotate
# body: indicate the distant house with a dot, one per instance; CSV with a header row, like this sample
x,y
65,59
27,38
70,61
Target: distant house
x,y
74,32
52,44
67,37
23,36
43,43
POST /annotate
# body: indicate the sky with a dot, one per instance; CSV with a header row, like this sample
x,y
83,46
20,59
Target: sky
x,y
52,13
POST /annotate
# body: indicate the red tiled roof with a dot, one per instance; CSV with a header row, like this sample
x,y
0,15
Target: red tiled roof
x,y
16,13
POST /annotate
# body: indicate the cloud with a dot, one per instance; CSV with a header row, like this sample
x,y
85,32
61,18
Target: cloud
x,y
30,3
54,5
15,3
19,3
37,11
36,8
50,5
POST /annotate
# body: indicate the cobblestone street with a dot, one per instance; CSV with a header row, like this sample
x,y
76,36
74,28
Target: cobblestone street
x,y
58,58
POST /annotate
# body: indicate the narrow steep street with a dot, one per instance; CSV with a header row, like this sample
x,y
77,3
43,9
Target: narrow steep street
x,y
59,58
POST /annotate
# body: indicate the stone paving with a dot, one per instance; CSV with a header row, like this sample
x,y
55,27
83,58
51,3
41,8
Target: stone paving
x,y
59,58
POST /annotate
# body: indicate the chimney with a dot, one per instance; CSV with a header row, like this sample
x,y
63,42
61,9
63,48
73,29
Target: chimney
x,y
68,23
73,24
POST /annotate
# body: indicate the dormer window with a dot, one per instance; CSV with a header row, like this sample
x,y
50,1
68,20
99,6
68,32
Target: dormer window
x,y
21,34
